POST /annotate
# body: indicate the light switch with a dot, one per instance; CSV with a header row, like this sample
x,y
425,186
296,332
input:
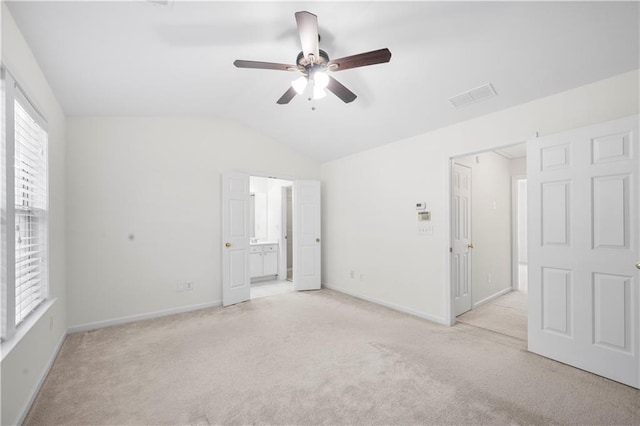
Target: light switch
x,y
425,228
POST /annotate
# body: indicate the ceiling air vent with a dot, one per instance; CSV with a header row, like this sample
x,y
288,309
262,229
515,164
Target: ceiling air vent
x,y
472,96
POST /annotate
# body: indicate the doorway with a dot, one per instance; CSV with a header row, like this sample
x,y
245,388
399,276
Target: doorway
x,y
488,240
271,230
239,246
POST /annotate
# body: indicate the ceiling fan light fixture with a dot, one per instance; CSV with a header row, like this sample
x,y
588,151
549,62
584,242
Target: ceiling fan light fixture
x,y
318,92
299,84
320,79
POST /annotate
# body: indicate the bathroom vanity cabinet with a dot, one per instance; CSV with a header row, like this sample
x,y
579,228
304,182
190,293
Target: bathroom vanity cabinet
x,y
263,260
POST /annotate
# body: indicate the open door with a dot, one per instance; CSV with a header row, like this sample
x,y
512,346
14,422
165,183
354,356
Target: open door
x,y
583,203
306,241
461,238
236,281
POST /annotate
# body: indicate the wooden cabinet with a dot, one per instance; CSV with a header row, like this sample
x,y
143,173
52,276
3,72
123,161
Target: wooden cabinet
x,y
263,260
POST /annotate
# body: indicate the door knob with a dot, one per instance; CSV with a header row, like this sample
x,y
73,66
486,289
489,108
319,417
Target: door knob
x,y
638,265
470,245
227,245
317,240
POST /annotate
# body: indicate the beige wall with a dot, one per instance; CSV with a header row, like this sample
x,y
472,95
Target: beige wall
x,y
157,180
369,216
24,366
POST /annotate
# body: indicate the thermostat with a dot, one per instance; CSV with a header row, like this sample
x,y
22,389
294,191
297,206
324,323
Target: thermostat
x,y
424,216
421,206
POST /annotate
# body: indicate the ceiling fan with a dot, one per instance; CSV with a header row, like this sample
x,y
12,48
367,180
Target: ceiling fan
x,y
313,63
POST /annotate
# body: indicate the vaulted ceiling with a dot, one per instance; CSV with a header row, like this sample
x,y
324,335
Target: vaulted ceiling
x,y
176,59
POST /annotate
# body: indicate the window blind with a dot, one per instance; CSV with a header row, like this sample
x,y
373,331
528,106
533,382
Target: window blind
x,y
31,205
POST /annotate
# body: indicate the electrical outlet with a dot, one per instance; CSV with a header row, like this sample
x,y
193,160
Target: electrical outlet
x,y
489,277
184,286
352,274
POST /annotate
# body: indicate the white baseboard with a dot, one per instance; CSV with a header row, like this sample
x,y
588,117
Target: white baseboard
x,y
40,382
138,317
492,297
389,305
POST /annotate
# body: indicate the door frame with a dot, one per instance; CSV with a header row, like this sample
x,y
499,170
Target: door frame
x,y
284,237
515,259
450,315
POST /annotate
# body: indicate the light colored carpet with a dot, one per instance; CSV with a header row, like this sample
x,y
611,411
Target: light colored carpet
x,y
319,357
506,314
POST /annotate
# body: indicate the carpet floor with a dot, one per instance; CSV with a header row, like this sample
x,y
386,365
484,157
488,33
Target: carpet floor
x,y
319,357
506,314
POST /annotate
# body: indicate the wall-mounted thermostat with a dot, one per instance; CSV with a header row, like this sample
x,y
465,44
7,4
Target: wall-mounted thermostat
x,y
424,216
421,206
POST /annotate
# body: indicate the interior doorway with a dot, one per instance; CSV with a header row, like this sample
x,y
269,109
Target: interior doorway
x,y
238,245
289,235
488,240
271,222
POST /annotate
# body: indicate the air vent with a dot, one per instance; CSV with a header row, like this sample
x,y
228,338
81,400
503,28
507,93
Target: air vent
x,y
472,96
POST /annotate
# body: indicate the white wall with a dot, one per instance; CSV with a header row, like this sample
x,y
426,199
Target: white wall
x,y
25,364
158,180
369,217
518,166
490,225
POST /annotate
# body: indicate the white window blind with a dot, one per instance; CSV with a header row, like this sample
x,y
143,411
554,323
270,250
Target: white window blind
x,y
31,205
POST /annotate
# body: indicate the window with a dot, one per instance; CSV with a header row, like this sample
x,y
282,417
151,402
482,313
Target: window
x,y
24,207
30,212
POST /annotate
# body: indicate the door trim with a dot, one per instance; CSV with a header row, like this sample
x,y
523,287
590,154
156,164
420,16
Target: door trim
x,y
515,259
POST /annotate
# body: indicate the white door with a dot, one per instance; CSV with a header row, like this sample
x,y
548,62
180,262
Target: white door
x,y
236,282
583,247
306,235
461,238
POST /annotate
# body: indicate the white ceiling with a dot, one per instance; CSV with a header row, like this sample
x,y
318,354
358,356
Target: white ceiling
x,y
142,59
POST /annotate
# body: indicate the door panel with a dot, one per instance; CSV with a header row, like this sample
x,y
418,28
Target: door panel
x,y
236,281
583,246
306,238
461,220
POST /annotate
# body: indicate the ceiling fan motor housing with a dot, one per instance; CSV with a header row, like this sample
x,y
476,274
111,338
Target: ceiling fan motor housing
x,y
311,63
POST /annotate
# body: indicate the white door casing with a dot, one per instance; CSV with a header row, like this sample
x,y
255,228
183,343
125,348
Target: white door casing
x,y
306,241
461,237
236,281
583,206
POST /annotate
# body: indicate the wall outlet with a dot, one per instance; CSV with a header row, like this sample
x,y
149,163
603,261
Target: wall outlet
x,y
489,278
184,286
352,274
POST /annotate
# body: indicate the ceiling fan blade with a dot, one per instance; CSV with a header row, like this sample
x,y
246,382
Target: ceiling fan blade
x,y
264,65
363,59
340,91
288,95
308,30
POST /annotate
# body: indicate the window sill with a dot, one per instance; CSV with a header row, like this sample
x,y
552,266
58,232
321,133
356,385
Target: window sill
x,y
23,329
